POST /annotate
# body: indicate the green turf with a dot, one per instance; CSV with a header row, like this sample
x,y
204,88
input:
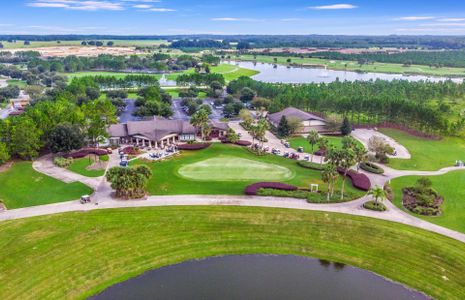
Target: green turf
x,y
80,166
427,155
75,255
22,186
238,169
166,179
297,142
451,187
354,66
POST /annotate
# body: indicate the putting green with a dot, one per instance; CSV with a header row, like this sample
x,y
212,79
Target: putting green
x,y
231,168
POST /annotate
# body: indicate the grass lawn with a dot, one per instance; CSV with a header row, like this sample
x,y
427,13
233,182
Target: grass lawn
x,y
354,66
15,82
427,155
80,166
167,180
297,142
451,187
75,255
22,186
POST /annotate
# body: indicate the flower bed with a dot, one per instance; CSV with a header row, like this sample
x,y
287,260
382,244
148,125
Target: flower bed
x,y
196,146
243,143
371,167
425,201
320,152
253,188
130,151
310,165
85,152
359,181
372,205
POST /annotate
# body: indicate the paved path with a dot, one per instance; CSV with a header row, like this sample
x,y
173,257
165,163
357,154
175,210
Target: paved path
x,y
364,135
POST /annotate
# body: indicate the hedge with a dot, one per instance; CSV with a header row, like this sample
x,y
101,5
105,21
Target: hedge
x,y
371,167
85,152
195,146
371,205
359,181
243,143
310,165
253,188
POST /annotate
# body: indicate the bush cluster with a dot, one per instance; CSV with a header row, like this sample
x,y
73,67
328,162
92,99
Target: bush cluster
x,y
196,146
371,167
253,188
62,162
310,165
304,194
372,205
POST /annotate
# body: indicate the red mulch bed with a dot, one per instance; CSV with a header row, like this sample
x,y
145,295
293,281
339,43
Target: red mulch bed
x,y
359,181
253,188
197,146
243,143
85,152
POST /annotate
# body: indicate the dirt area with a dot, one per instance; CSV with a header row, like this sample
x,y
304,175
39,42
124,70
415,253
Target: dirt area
x,y
5,167
87,51
97,165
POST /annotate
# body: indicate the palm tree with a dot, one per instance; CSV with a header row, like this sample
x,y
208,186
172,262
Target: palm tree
x,y
200,120
313,138
378,194
344,159
329,175
361,155
262,127
323,144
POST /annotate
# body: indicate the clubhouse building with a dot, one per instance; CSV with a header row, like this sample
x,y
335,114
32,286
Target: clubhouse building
x,y
158,132
308,121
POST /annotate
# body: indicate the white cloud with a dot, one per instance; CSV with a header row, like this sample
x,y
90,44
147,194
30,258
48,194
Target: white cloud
x,y
142,6
451,20
415,18
333,7
226,19
229,19
161,9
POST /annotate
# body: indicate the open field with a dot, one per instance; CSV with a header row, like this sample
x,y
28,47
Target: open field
x,y
354,66
297,142
22,186
117,43
166,179
75,255
427,155
451,187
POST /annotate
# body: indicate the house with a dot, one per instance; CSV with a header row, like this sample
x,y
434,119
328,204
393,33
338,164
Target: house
x,y
158,133
309,121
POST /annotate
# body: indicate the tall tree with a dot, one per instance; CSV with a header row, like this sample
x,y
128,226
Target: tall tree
x,y
343,159
312,139
99,115
323,144
283,127
346,127
25,138
330,175
200,121
4,153
65,138
129,183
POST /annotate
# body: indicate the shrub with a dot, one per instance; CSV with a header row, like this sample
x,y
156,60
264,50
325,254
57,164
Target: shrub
x,y
310,165
389,192
372,205
196,146
305,194
359,181
371,167
62,162
253,188
87,151
243,143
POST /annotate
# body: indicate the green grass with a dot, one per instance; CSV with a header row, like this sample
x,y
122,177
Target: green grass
x,y
166,179
451,187
22,186
80,166
214,169
297,142
118,43
427,155
75,255
15,82
354,66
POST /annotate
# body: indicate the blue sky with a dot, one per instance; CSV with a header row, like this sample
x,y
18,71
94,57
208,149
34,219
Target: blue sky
x,y
144,17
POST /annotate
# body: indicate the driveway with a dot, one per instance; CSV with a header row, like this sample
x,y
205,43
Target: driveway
x,y
364,135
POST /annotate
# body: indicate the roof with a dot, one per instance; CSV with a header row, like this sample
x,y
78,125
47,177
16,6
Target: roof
x,y
219,125
154,129
292,112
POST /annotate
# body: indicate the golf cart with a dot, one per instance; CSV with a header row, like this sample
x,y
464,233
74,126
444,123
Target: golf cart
x,y
85,199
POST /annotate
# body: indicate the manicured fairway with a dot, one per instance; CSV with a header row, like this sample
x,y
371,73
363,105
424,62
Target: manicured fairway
x,y
451,187
297,142
230,168
427,155
166,179
22,186
75,255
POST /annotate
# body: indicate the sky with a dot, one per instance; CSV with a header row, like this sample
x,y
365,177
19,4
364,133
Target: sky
x,y
172,17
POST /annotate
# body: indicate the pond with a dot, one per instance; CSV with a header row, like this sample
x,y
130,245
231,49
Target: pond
x,y
258,277
283,74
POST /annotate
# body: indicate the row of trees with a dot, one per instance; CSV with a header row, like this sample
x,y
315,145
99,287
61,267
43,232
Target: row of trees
x,y
399,101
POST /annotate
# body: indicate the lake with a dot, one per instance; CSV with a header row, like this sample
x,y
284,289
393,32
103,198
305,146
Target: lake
x,y
258,277
283,74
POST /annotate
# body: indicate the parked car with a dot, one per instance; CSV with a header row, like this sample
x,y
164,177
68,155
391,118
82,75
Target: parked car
x,y
300,150
124,163
286,154
85,199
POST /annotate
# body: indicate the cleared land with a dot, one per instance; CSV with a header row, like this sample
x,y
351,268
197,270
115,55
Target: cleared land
x,y
76,255
451,187
354,66
22,186
427,155
166,179
238,169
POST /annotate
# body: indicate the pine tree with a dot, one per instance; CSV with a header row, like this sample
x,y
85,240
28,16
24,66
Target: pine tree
x,y
346,127
283,127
